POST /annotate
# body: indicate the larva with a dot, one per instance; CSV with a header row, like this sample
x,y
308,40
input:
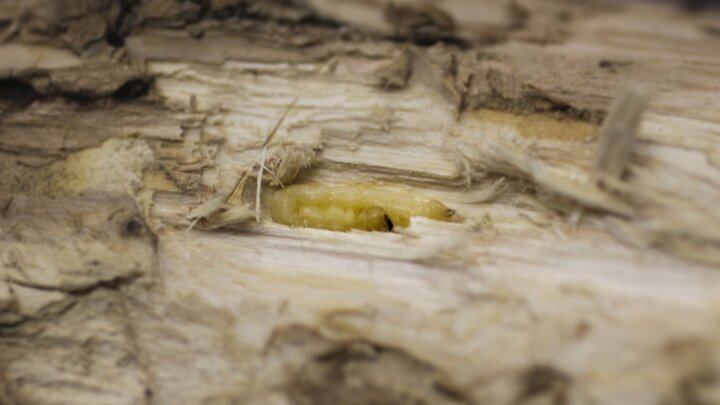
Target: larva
x,y
341,208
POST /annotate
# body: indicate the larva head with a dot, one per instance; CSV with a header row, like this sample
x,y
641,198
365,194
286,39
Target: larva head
x,y
437,210
374,219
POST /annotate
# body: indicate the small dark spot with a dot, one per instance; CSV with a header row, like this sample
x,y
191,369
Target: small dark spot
x,y
5,203
612,66
114,39
17,91
582,329
711,30
132,89
132,227
389,222
196,33
148,393
544,380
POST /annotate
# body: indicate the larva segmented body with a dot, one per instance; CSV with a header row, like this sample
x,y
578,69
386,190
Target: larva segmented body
x,y
341,208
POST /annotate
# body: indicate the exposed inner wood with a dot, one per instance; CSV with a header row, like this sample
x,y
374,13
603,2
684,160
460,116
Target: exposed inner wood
x,y
132,269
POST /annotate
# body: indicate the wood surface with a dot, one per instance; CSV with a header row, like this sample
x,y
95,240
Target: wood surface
x,y
564,283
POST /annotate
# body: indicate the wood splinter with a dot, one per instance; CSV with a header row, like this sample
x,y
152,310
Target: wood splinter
x,y
618,131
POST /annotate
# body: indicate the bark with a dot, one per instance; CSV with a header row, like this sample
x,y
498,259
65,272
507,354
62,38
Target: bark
x,y
132,269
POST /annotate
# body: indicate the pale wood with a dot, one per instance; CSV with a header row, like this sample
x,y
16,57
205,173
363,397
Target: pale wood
x,y
551,290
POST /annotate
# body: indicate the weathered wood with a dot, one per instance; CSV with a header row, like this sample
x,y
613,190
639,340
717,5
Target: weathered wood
x,y
119,119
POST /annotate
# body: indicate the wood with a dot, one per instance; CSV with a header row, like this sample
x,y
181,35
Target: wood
x,y
132,269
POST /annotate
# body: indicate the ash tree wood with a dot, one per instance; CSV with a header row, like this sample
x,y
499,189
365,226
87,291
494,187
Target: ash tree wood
x,y
141,141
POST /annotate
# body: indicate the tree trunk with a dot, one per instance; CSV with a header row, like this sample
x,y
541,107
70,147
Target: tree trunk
x,y
580,265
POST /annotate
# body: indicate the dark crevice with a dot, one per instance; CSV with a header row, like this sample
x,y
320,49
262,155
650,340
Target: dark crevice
x,y
319,21
116,34
133,227
17,91
20,91
114,39
430,41
309,20
132,89
389,223
15,328
112,284
306,17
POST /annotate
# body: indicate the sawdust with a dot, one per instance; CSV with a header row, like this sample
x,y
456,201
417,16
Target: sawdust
x,y
117,165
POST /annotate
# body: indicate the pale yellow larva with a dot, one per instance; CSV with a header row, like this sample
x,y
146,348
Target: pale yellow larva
x,y
361,206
